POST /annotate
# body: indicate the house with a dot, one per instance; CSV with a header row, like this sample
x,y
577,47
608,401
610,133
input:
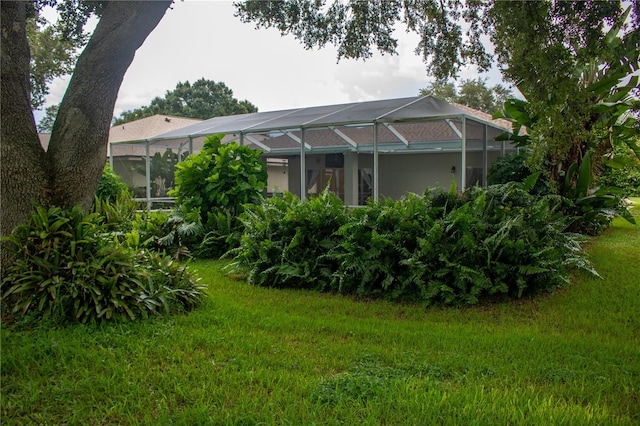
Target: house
x,y
384,148
128,154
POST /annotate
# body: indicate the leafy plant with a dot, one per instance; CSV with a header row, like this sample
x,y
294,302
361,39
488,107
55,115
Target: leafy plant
x,y
286,242
444,248
66,266
118,212
110,186
374,244
513,167
592,209
622,171
218,182
220,177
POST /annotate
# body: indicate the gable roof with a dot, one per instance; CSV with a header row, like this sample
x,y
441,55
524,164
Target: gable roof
x,y
138,130
148,127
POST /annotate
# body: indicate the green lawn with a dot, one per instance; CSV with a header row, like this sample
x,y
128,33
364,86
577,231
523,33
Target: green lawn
x,y
261,356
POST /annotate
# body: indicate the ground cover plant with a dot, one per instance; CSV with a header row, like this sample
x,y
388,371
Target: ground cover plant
x,y
443,248
255,355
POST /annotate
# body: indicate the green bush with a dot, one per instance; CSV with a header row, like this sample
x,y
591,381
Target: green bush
x,y
110,186
591,208
503,241
513,167
374,244
444,248
218,182
286,242
626,178
118,213
66,266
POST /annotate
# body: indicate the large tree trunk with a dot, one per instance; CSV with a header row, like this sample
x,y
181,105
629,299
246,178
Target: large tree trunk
x,y
24,170
69,172
78,146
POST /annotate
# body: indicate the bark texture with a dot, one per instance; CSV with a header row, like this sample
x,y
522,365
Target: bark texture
x,y
24,169
78,146
69,172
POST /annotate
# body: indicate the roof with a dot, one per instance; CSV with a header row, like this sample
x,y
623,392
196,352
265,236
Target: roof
x,y
415,124
138,130
148,127
389,111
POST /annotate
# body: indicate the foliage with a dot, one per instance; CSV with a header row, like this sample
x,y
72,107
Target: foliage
x,y
473,93
567,358
593,209
374,244
54,46
45,125
458,249
513,167
573,109
286,242
185,230
202,99
221,177
444,248
624,173
354,27
217,183
110,186
67,267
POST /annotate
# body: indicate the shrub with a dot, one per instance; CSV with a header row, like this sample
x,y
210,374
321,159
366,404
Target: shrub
x,y
110,186
503,241
218,182
65,266
374,244
627,179
591,208
118,212
444,248
286,242
513,167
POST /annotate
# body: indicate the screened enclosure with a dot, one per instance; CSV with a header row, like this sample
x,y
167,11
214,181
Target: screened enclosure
x,y
358,150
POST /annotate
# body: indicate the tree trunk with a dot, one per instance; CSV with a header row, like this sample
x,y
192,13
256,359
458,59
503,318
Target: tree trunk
x,y
78,146
24,168
69,172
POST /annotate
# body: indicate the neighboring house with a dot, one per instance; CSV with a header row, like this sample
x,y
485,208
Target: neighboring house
x,y
127,153
359,150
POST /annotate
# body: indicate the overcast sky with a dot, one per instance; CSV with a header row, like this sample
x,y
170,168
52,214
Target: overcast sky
x,y
202,39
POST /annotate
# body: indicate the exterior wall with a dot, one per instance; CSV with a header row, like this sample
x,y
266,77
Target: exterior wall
x,y
404,173
277,178
399,173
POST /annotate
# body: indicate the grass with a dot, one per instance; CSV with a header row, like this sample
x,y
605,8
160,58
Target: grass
x,y
252,355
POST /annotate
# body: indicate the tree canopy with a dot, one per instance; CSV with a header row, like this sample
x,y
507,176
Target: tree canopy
x,y
577,66
202,99
354,27
55,46
561,55
473,93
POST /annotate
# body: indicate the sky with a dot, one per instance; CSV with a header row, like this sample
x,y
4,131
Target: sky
x,y
203,39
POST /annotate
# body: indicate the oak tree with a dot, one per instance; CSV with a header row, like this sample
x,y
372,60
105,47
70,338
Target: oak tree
x,y
202,99
69,171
